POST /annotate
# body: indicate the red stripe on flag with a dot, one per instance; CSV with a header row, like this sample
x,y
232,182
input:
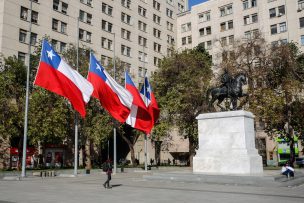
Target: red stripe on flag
x,y
54,81
108,99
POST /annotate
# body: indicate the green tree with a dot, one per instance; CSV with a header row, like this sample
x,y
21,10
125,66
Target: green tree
x,y
12,97
180,85
275,82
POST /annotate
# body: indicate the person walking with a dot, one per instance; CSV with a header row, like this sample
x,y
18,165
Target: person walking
x,y
108,170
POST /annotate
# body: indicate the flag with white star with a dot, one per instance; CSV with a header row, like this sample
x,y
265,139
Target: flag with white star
x,y
112,96
55,75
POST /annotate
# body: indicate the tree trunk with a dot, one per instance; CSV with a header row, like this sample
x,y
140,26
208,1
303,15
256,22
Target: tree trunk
x,y
192,151
131,147
88,161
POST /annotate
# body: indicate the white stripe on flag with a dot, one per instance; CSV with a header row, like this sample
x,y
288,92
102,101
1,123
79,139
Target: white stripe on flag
x,y
124,95
83,84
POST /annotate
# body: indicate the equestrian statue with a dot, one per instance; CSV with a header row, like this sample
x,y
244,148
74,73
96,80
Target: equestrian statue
x,y
231,88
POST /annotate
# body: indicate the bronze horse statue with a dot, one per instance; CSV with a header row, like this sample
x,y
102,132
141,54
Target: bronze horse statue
x,y
231,88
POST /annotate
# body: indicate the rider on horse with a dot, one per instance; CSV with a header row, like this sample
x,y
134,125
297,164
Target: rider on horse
x,y
226,80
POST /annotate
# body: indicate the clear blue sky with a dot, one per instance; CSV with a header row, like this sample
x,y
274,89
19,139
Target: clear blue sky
x,y
194,2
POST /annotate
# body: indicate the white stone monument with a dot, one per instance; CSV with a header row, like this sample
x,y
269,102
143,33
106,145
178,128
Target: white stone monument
x,y
227,144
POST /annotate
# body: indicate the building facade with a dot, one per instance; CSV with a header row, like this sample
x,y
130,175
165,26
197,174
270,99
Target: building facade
x,y
215,23
140,32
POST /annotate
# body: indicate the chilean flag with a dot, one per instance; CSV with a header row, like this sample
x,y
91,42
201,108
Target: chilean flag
x,y
112,96
139,117
150,101
55,75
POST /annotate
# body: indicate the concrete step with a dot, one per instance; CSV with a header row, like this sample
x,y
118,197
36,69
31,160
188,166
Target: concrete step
x,y
268,180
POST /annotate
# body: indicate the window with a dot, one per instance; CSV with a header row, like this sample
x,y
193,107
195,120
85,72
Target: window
x,y
125,18
254,18
23,13
170,39
208,30
246,20
126,3
106,26
64,8
142,26
125,34
21,56
60,6
224,41
142,11
209,43
56,5
301,22
156,19
106,43
22,35
85,17
156,61
63,28
125,50
34,17
230,24
283,27
272,12
142,41
180,7
55,26
273,29
253,3
226,10
169,13
248,35
156,5
33,39
202,31
189,39
157,47
302,40
204,16
62,47
156,33
169,26
281,10
142,72
300,5
231,39
184,40
142,56
223,27
85,35
186,27
107,9
87,2
245,4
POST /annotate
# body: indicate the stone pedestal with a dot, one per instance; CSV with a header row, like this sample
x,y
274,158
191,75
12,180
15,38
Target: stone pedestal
x,y
227,144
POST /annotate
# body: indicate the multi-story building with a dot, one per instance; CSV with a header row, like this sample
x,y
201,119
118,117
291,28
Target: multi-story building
x,y
215,23
141,32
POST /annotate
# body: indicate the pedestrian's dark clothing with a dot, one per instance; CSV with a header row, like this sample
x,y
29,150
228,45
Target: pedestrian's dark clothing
x,y
108,172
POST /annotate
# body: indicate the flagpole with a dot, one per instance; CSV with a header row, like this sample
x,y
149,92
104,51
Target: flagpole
x,y
146,144
23,173
76,117
114,130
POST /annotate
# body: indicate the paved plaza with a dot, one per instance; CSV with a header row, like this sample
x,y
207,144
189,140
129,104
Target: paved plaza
x,y
132,187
